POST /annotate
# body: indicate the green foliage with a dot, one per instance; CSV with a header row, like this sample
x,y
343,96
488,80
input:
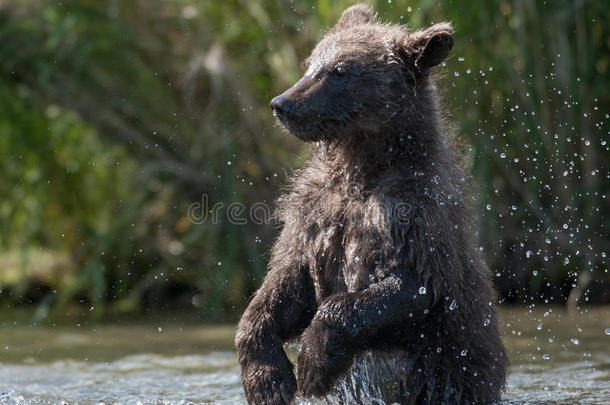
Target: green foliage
x,y
115,117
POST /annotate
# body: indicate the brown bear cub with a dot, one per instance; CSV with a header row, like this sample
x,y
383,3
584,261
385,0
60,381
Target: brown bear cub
x,y
376,267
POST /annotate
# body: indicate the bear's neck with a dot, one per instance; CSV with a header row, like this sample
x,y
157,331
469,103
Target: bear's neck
x,y
409,143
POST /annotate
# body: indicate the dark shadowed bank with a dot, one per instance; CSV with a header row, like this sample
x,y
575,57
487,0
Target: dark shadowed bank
x,y
123,123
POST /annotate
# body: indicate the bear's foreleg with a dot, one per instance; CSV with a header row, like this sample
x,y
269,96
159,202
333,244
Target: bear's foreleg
x,y
280,310
349,323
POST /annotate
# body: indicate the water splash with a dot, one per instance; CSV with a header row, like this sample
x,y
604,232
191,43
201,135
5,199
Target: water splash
x,y
374,375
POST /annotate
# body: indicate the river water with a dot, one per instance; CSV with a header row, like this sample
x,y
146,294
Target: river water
x,y
556,358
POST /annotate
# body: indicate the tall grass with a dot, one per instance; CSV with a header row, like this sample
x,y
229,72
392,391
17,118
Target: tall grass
x,y
117,116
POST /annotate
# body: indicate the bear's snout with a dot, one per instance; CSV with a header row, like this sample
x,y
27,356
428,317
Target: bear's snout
x,y
282,107
289,104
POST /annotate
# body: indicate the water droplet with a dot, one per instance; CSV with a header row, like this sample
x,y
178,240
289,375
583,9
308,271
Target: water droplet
x,y
575,341
486,322
453,305
422,290
463,353
546,356
607,331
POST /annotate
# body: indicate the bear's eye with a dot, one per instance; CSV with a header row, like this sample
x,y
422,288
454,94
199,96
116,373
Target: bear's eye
x,y
339,71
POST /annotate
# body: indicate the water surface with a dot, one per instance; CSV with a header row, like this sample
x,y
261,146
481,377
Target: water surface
x,y
556,358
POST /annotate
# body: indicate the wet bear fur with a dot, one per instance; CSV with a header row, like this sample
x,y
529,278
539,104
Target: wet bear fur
x,y
377,256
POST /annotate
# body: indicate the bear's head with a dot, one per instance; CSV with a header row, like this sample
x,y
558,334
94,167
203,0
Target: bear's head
x,y
360,76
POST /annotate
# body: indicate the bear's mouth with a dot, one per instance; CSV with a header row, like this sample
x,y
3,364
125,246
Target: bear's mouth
x,y
306,130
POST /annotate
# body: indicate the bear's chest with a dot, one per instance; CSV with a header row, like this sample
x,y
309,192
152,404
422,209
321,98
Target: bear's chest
x,y
343,244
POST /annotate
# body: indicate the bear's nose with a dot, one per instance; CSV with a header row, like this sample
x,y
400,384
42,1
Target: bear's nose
x,y
281,106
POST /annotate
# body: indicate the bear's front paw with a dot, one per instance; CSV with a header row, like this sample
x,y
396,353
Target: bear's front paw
x,y
266,384
323,358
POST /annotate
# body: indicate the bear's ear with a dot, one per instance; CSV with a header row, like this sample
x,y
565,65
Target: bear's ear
x,y
355,15
431,46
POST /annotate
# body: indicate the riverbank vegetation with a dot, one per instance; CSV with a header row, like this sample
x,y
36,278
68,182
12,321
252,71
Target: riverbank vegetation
x,y
123,124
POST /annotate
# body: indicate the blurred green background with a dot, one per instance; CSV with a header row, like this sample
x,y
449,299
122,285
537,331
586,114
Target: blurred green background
x,y
117,116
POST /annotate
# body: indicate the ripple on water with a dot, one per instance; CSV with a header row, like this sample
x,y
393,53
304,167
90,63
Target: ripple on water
x,y
214,378
137,379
